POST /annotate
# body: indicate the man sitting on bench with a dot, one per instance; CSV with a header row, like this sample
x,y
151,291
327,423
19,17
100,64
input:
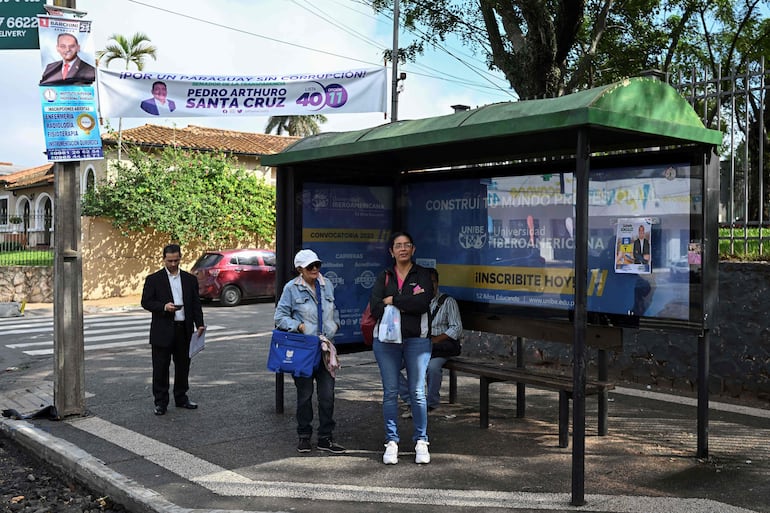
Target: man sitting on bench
x,y
446,329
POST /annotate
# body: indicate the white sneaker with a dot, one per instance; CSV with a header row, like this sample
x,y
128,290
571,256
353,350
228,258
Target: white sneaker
x,y
391,453
421,454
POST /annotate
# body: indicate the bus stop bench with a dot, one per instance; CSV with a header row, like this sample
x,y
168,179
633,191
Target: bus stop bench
x,y
492,372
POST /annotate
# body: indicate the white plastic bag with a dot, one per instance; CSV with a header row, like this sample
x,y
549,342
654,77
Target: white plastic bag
x,y
390,325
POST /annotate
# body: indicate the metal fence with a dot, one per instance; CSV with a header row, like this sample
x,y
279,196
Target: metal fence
x,y
26,239
736,103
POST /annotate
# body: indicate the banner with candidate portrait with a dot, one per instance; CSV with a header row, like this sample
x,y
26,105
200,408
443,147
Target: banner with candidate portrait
x,y
139,94
66,51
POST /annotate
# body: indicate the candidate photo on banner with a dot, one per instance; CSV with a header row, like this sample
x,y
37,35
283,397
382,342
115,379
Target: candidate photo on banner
x,y
131,94
66,51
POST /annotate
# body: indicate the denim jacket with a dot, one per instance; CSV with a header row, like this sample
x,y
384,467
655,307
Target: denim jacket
x,y
297,306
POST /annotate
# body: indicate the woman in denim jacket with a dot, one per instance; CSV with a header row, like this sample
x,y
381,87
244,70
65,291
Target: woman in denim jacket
x,y
297,311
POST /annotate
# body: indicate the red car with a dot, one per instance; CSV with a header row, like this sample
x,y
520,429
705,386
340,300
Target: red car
x,y
232,275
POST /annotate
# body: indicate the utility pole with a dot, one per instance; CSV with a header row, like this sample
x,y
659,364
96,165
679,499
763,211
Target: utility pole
x,y
69,361
394,60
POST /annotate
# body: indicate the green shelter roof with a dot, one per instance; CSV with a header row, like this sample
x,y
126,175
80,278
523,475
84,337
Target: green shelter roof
x,y
633,113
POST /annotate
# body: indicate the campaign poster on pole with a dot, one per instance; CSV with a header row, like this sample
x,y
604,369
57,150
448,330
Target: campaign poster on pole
x,y
66,51
67,94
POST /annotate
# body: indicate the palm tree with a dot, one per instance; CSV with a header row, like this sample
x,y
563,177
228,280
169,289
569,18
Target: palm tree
x,y
295,125
133,50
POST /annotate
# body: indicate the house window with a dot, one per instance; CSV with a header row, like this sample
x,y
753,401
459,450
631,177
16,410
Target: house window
x,y
3,210
90,180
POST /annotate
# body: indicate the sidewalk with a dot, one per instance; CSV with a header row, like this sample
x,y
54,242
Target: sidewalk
x,y
236,454
110,304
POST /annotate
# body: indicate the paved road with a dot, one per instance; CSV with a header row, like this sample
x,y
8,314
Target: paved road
x,y
235,453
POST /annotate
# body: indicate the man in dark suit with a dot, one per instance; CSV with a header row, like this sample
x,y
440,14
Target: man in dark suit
x,y
641,248
172,296
159,103
71,69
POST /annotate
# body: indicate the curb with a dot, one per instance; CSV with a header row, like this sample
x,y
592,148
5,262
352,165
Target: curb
x,y
86,469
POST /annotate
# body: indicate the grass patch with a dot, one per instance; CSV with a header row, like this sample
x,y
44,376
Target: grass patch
x,y
739,244
36,257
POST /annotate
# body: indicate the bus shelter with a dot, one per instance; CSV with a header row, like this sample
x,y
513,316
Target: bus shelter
x,y
567,219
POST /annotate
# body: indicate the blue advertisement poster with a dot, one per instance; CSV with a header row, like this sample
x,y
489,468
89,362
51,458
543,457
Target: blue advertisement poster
x,y
348,226
70,123
509,240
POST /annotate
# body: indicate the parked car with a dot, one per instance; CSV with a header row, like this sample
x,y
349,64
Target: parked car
x,y
680,269
232,275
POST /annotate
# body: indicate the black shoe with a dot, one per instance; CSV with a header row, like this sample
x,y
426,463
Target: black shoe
x,y
189,405
160,410
304,445
328,445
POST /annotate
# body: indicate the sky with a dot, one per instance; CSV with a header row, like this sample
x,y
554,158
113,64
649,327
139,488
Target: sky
x,y
245,37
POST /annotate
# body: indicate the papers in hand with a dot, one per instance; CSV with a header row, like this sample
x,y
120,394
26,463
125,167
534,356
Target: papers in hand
x,y
197,343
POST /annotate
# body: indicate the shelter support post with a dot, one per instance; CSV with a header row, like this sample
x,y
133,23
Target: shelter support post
x,y
703,394
69,360
285,224
582,164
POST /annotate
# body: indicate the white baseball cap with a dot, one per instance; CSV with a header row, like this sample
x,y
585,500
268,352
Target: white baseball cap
x,y
305,257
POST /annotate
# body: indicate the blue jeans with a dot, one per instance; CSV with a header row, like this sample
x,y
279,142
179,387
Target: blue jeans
x,y
434,376
325,385
414,354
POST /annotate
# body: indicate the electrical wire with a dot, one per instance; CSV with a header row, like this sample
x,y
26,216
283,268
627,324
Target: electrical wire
x,y
446,77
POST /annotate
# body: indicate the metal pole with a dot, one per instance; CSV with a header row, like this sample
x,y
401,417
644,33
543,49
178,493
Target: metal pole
x,y
69,361
703,395
581,316
394,60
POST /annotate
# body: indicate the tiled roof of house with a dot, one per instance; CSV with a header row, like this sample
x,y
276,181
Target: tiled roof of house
x,y
202,138
40,175
7,168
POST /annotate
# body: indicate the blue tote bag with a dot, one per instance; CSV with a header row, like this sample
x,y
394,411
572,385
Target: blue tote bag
x,y
296,353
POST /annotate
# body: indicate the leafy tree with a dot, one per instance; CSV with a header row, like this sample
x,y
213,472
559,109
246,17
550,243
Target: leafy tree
x,y
131,51
554,47
189,195
295,125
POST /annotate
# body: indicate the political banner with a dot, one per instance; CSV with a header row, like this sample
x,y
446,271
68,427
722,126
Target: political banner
x,y
136,94
66,51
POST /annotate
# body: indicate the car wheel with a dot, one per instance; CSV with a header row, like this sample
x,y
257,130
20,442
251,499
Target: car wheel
x,y
231,296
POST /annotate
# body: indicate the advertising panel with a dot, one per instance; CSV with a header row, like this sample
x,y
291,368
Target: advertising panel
x,y
348,226
18,24
70,123
509,240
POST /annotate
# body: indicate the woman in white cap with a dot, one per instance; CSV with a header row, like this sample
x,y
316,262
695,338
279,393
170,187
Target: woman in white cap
x,y
297,311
